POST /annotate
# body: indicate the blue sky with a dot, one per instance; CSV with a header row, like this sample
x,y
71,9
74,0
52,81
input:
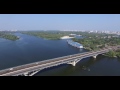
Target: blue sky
x,y
60,22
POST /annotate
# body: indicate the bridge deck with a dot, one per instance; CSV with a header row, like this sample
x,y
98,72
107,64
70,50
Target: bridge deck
x,y
50,62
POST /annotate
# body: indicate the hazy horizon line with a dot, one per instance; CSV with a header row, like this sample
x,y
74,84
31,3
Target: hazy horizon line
x,y
55,30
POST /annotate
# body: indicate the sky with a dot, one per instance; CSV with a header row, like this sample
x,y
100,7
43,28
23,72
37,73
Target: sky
x,y
98,22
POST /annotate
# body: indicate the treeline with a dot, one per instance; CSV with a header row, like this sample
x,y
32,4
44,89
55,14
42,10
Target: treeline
x,y
8,36
113,53
58,34
48,35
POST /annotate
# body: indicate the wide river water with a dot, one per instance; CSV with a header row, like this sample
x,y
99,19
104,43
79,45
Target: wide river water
x,y
30,49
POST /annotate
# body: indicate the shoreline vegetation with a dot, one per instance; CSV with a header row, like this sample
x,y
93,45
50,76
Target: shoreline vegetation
x,y
46,35
9,36
91,41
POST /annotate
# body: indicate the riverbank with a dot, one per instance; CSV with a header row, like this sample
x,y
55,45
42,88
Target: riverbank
x,y
115,54
47,35
66,37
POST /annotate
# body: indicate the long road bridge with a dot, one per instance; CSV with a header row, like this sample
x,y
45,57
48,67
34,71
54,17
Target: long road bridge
x,y
32,68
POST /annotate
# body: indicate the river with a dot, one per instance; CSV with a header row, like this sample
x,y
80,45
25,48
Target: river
x,y
30,49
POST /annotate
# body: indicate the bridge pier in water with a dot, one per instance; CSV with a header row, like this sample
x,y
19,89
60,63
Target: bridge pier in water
x,y
95,56
73,63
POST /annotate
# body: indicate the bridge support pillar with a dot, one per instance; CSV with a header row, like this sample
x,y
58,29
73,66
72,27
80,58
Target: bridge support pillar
x,y
95,56
73,63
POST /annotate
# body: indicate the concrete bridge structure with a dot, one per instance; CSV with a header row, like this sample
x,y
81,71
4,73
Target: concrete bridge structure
x,y
32,68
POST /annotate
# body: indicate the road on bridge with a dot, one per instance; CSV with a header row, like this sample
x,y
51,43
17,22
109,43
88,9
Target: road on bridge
x,y
49,63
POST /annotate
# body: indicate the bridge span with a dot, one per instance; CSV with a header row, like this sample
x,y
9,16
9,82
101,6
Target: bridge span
x,y
33,68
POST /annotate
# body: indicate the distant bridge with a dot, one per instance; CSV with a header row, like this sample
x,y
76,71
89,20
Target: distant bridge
x,y
32,68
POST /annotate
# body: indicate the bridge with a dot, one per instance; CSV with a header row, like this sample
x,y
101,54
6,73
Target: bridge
x,y
32,68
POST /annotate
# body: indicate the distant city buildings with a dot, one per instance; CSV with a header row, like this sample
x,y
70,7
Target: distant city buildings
x,y
89,31
107,32
95,31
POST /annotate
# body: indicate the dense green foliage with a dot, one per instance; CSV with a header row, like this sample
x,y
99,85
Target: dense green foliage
x,y
8,36
48,35
98,41
113,53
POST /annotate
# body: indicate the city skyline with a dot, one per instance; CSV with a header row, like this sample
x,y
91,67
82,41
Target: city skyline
x,y
87,22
